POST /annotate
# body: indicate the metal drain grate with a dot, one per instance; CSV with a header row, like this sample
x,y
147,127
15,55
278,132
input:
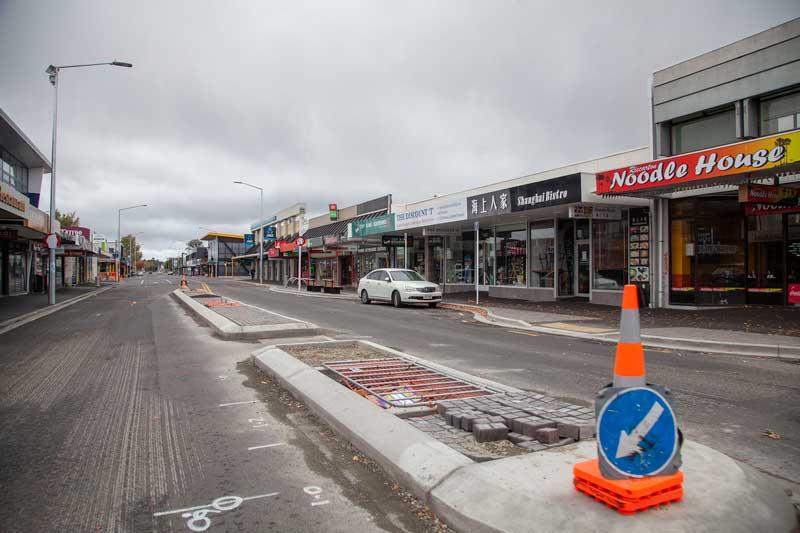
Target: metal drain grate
x,y
402,383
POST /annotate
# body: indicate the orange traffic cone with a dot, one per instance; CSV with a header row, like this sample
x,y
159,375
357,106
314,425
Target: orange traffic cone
x,y
184,285
629,363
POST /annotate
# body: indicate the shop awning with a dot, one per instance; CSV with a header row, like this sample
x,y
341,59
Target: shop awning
x,y
339,228
733,164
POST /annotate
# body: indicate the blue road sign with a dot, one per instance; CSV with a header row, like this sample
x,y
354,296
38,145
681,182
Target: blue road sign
x,y
637,433
249,239
269,233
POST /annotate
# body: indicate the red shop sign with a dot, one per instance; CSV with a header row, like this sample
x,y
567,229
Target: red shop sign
x,y
794,293
673,172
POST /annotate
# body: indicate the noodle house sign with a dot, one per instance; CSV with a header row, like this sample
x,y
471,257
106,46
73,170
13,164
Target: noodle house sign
x,y
691,169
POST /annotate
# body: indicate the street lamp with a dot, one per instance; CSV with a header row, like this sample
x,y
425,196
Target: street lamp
x,y
119,236
53,71
261,230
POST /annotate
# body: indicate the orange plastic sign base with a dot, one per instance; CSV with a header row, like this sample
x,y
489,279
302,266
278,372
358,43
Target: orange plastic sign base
x,y
627,496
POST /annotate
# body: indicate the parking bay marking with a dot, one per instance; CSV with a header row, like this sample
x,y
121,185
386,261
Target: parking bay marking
x,y
528,333
265,446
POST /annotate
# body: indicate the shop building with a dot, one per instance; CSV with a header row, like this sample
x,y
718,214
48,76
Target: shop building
x,y
542,237
75,263
338,257
279,233
221,250
22,224
723,177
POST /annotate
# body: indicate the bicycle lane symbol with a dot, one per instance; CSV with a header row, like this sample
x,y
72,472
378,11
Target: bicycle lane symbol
x,y
198,519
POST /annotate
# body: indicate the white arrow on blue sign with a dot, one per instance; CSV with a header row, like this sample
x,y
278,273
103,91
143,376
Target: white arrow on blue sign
x,y
637,433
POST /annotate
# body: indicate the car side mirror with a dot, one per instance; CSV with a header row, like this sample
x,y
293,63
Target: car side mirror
x,y
387,280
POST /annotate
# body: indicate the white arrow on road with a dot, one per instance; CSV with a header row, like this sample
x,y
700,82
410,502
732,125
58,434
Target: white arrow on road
x,y
629,442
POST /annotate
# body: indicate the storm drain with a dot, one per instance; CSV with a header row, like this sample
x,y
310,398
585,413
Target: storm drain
x,y
397,382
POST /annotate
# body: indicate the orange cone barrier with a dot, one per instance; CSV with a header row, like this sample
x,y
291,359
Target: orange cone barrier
x,y
629,363
184,285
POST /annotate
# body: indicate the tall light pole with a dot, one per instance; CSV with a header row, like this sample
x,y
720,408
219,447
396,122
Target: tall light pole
x,y
119,237
53,71
260,228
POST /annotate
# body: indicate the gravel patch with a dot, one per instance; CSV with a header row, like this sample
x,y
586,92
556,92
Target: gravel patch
x,y
316,354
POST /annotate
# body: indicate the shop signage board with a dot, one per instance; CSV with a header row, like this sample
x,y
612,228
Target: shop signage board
x,y
7,234
273,252
637,433
674,172
333,211
371,226
441,231
557,191
315,242
768,194
755,208
435,212
12,200
489,204
330,239
269,233
394,241
794,293
596,212
639,246
249,239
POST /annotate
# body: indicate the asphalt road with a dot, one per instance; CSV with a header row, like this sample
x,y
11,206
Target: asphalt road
x,y
725,402
120,413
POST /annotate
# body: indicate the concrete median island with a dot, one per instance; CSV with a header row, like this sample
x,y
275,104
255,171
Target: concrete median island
x,y
530,489
233,320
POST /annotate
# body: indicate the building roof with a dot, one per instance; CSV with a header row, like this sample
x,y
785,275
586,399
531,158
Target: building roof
x,y
19,145
211,235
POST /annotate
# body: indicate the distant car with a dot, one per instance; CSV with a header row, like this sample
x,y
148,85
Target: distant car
x,y
399,286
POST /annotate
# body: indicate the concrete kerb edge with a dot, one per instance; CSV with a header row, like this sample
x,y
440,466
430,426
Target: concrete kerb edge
x,y
229,330
302,294
774,351
14,323
411,456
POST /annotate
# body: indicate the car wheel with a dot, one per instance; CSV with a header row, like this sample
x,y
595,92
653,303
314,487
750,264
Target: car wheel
x,y
364,297
396,301
433,304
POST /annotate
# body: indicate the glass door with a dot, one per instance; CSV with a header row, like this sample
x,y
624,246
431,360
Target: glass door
x,y
583,257
566,258
435,259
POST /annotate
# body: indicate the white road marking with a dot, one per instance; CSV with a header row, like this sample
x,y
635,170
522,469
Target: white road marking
x,y
265,446
141,282
237,403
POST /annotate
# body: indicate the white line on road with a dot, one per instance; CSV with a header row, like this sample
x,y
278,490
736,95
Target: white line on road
x,y
196,507
266,446
237,403
141,282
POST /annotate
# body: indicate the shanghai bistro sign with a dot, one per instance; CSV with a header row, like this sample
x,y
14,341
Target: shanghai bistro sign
x,y
435,212
671,173
547,193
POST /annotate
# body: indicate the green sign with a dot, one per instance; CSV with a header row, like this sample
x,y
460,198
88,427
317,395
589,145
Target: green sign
x,y
372,226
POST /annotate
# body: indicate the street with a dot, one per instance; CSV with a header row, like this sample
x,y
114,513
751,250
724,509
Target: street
x,y
120,413
725,402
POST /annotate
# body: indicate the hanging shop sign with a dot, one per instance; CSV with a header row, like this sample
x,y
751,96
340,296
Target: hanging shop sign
x,y
794,293
270,233
333,211
273,252
393,241
330,239
249,240
558,191
434,212
596,212
371,226
768,194
489,204
675,172
755,208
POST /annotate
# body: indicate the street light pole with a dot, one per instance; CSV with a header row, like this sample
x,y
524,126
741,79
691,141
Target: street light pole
x,y
53,72
260,228
119,237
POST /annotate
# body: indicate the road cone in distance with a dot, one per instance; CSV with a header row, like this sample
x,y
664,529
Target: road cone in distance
x,y
629,362
184,285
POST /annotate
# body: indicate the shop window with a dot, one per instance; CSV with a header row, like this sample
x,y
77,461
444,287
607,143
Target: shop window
x,y
719,248
793,259
780,114
458,255
765,259
610,247
542,254
704,132
511,253
681,261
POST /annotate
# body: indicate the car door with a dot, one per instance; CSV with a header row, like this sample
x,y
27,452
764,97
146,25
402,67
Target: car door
x,y
383,288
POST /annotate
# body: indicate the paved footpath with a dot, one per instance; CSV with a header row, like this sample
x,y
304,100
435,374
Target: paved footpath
x,y
726,402
121,413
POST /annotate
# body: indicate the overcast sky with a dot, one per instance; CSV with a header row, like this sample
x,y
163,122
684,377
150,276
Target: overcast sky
x,y
333,101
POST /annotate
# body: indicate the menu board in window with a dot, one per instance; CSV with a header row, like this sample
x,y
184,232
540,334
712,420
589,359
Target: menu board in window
x,y
639,247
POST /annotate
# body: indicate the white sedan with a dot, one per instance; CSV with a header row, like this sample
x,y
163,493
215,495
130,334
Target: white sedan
x,y
399,286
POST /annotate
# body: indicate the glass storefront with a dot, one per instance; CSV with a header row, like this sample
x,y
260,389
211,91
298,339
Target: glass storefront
x,y
542,254
610,254
511,243
720,256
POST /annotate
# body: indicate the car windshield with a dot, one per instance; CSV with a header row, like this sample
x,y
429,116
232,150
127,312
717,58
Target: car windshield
x,y
406,275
